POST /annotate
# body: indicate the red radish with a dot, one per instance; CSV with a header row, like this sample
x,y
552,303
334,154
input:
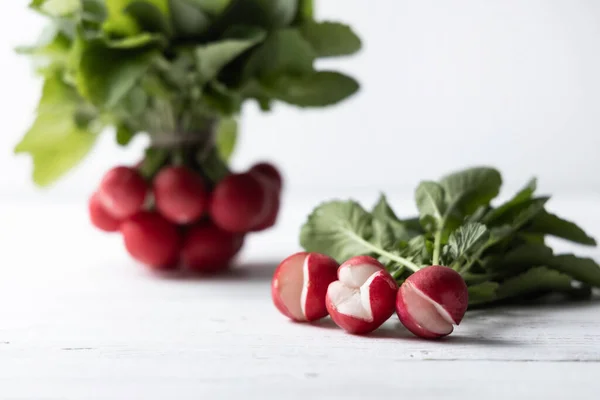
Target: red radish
x,y
270,219
300,283
100,218
270,172
207,248
180,195
273,202
151,240
363,297
431,301
122,192
239,203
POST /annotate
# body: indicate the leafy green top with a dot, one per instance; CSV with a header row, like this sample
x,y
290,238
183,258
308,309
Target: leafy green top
x,y
169,66
499,250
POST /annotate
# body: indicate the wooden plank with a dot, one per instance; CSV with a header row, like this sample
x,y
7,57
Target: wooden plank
x,y
79,320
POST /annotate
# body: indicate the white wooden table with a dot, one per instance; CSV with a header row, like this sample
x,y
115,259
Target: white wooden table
x,y
80,320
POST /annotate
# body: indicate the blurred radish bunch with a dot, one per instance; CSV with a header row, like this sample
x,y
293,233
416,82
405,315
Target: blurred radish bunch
x,y
178,71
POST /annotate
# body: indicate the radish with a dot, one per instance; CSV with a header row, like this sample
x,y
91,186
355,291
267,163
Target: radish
x,y
272,203
100,218
270,219
270,172
122,192
363,297
239,203
300,284
431,301
207,248
152,240
180,194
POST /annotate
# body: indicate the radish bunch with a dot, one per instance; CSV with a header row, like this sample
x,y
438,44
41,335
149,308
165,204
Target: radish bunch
x,y
177,218
360,295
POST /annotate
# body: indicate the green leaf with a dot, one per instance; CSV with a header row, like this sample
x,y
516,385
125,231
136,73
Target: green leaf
x,y
319,89
119,24
93,11
55,142
466,238
283,52
212,7
417,249
413,225
521,197
384,213
56,8
482,293
141,40
535,280
188,19
51,54
106,75
330,39
429,197
227,133
471,188
530,210
550,224
118,6
280,12
521,258
584,270
339,229
213,166
221,99
305,11
135,103
519,217
154,160
151,15
270,14
383,234
124,135
212,58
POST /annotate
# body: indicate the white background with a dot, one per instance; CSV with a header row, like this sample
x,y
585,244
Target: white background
x,y
446,84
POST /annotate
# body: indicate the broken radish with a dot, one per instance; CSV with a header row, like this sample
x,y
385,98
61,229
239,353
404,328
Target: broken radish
x,y
431,301
300,284
363,297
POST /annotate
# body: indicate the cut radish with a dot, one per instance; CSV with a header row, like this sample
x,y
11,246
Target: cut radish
x,y
300,284
363,297
431,301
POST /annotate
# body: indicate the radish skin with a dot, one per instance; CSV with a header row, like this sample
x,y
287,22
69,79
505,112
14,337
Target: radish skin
x,y
363,297
432,301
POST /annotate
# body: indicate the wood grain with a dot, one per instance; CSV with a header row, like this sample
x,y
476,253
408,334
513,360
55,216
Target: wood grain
x,y
79,320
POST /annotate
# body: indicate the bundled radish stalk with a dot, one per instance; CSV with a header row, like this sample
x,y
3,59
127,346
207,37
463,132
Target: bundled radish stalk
x,y
179,72
461,252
